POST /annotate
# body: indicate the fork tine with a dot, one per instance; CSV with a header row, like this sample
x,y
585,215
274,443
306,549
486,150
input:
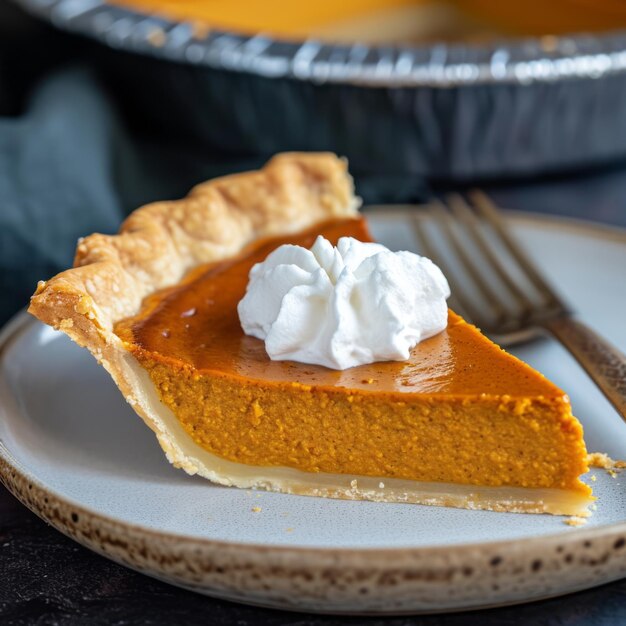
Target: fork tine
x,y
444,219
488,211
464,213
458,297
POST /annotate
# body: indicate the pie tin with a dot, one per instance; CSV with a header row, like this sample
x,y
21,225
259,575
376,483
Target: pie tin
x,y
513,107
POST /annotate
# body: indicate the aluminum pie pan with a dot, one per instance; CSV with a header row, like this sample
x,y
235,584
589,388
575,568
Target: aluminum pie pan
x,y
403,116
545,59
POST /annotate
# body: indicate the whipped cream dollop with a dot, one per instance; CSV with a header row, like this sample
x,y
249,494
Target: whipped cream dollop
x,y
343,306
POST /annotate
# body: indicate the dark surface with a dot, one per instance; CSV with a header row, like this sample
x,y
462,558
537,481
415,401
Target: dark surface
x,y
69,164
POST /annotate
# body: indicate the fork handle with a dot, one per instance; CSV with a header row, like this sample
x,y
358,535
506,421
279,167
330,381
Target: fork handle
x,y
604,363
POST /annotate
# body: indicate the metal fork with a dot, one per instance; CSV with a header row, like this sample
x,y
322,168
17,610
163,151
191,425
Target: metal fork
x,y
498,288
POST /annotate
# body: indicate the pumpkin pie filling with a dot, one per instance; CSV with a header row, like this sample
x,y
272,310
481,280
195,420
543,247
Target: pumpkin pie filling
x,y
460,423
460,411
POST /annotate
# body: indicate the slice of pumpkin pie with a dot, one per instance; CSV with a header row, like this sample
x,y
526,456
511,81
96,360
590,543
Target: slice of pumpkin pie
x,y
459,422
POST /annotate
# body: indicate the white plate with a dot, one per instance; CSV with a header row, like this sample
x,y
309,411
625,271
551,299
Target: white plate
x,y
74,452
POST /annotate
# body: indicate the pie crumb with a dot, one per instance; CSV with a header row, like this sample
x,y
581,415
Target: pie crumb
x,y
289,530
256,509
604,461
354,484
575,521
381,485
594,478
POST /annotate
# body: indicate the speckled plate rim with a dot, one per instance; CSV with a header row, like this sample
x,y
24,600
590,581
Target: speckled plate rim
x,y
518,61
367,581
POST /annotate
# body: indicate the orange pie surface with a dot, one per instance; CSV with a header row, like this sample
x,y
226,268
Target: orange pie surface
x,y
460,410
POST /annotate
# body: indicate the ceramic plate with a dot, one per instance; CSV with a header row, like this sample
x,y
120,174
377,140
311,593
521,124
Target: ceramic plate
x,y
77,455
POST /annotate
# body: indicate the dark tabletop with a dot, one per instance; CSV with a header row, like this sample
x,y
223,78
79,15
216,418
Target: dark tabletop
x,y
46,578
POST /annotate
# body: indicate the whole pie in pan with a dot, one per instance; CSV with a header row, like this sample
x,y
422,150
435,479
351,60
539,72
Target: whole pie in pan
x,y
461,423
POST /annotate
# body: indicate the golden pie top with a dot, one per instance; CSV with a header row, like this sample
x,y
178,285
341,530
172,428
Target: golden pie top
x,y
391,20
346,20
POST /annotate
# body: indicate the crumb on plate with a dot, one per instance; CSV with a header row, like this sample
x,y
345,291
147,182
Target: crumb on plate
x,y
604,461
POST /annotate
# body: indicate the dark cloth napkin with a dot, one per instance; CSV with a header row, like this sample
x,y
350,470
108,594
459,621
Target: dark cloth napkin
x,y
56,182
